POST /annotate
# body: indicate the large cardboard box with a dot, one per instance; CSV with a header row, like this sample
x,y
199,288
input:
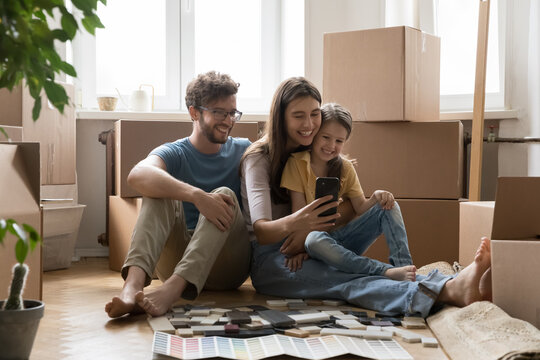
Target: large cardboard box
x,y
387,74
11,105
410,159
515,248
432,230
123,213
475,221
54,131
135,139
19,194
15,133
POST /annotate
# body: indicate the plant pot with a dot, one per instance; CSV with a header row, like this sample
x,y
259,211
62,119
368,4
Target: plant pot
x,y
18,329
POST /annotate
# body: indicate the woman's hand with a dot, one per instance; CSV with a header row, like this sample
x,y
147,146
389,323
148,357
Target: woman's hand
x,y
384,198
294,244
294,263
308,219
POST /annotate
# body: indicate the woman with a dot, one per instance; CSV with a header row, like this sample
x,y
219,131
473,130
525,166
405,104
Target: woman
x,y
295,118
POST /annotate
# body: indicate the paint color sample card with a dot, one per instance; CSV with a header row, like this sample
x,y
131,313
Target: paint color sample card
x,y
275,345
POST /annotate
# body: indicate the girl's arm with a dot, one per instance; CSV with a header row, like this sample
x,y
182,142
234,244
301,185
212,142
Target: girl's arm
x,y
298,200
384,198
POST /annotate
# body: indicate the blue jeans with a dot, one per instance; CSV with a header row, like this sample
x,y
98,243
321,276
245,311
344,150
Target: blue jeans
x,y
343,248
317,280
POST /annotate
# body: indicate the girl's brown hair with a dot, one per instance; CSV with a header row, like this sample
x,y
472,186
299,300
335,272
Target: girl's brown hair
x,y
333,112
274,140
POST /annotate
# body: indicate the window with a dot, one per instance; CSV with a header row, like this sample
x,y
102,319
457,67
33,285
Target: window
x,y
166,43
456,22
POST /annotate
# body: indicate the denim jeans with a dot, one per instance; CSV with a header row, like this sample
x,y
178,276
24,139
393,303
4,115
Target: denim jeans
x,y
317,280
343,248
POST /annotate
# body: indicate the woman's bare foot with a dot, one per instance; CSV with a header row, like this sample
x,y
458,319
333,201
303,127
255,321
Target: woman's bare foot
x,y
464,289
402,273
156,302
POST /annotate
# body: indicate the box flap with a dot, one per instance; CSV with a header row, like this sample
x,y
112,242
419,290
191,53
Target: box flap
x,y
517,209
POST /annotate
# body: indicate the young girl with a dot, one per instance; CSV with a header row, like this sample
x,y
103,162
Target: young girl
x,y
343,247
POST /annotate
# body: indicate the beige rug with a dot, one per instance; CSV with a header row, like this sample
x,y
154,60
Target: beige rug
x,y
484,331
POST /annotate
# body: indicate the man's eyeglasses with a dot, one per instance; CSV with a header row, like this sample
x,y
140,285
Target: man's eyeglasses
x,y
221,115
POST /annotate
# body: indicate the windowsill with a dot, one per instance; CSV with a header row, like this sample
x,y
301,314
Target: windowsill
x,y
178,115
488,115
154,115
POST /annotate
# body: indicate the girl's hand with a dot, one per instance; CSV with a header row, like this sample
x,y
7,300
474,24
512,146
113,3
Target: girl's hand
x,y
294,263
384,198
307,218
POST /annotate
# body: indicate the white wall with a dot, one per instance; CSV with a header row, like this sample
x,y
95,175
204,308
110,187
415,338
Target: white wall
x,y
324,16
522,83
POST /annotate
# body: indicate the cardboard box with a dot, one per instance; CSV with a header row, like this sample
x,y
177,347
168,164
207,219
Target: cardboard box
x,y
60,231
123,213
475,221
15,133
19,194
135,139
432,230
56,134
387,74
515,248
54,131
11,105
410,159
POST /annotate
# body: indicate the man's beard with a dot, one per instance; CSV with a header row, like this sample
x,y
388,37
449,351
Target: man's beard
x,y
209,133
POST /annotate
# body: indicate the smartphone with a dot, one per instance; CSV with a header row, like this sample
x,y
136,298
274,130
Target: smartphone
x,y
327,186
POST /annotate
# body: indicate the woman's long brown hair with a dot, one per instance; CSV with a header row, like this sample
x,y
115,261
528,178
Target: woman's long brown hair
x,y
274,139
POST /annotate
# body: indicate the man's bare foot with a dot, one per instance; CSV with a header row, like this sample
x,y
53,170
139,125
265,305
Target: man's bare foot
x,y
157,301
485,286
125,302
464,289
402,273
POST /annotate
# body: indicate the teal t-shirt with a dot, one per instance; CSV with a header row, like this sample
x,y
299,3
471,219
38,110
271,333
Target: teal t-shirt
x,y
204,171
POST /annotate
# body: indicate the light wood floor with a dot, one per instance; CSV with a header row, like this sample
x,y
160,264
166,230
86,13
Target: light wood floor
x,y
75,325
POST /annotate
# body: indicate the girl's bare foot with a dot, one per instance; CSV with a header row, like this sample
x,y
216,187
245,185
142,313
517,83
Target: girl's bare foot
x,y
156,302
402,273
464,289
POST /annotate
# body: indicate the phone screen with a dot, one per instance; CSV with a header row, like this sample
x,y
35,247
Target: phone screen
x,y
327,186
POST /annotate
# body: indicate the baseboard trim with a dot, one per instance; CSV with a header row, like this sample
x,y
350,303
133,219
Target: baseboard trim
x,y
98,252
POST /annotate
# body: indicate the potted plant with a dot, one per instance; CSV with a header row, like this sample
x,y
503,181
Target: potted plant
x,y
19,319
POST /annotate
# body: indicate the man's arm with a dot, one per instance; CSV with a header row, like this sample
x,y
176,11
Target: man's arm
x,y
151,179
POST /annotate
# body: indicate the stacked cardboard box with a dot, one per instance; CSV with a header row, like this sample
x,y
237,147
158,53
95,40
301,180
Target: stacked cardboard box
x,y
55,133
389,79
133,141
19,194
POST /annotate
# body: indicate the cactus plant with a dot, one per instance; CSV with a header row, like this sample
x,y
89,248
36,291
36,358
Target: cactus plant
x,y
27,239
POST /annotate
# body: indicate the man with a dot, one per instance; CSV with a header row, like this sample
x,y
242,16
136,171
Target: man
x,y
190,229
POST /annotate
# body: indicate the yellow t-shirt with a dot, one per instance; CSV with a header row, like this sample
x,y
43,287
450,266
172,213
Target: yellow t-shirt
x,y
298,176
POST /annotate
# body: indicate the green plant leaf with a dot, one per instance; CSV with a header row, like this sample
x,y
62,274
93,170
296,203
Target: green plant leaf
x,y
69,24
21,251
33,236
3,230
60,35
36,109
67,68
91,22
4,132
56,94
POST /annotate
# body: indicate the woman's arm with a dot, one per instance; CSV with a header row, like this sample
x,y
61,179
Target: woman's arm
x,y
267,229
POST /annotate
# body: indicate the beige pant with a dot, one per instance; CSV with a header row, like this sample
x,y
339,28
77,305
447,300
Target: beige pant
x,y
205,257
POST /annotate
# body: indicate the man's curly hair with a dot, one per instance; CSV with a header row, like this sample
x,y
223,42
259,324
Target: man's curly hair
x,y
209,87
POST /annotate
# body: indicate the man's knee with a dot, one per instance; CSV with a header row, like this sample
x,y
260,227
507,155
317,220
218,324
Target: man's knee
x,y
227,191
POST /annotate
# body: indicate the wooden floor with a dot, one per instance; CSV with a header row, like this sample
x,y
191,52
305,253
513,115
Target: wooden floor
x,y
75,325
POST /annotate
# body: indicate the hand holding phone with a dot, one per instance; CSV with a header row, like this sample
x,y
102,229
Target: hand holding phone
x,y
327,186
